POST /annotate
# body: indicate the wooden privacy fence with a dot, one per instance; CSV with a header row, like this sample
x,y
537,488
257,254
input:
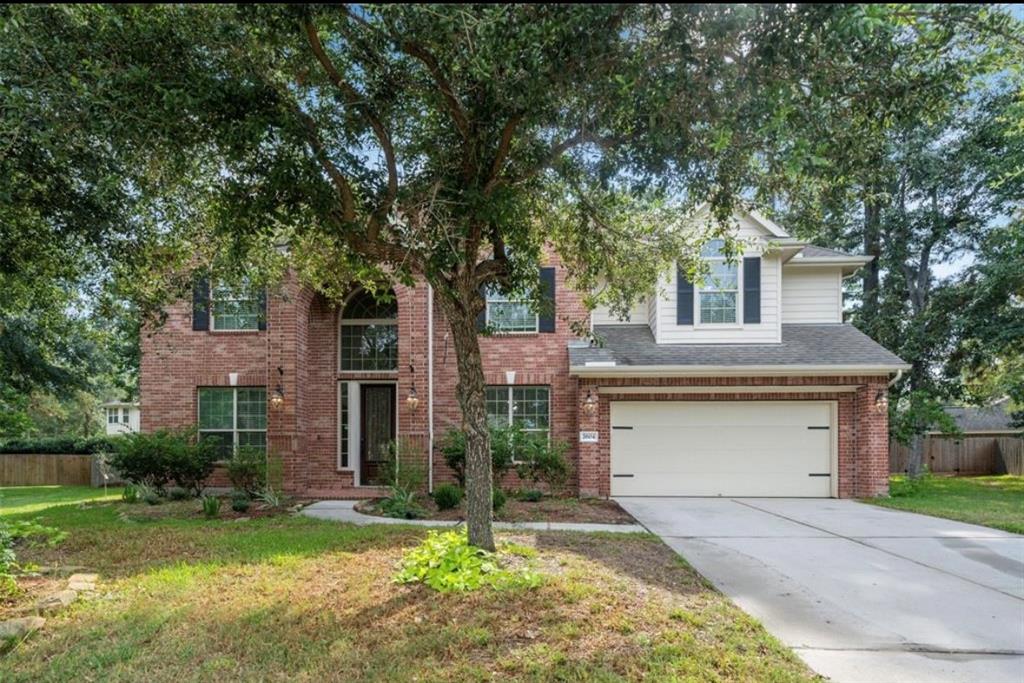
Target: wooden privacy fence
x,y
45,469
965,455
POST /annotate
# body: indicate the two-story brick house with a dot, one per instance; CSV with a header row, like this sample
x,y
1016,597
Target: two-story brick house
x,y
746,384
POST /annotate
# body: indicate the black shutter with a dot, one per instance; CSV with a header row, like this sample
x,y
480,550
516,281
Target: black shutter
x,y
481,318
201,305
262,322
684,299
546,318
752,289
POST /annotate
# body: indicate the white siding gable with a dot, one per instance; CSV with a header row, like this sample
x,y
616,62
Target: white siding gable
x,y
637,315
812,295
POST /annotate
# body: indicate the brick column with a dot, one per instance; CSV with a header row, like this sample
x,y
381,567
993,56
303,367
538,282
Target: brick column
x,y
593,460
872,442
287,336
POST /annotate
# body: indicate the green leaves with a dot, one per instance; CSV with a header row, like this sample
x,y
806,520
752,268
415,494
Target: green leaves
x,y
447,563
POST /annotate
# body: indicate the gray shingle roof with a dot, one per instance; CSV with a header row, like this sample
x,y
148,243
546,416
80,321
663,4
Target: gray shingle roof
x,y
830,344
987,419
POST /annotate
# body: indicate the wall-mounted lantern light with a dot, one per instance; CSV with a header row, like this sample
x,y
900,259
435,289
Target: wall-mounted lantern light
x,y
882,402
590,402
277,398
412,400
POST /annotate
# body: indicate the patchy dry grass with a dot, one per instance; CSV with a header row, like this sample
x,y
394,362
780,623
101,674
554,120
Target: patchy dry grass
x,y
291,598
548,509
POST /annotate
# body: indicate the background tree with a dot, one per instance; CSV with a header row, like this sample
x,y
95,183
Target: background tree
x,y
449,143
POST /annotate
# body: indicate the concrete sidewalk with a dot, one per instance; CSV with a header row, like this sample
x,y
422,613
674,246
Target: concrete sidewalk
x,y
344,511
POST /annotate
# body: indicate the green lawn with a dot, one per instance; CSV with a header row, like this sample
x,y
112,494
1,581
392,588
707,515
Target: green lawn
x,y
292,598
16,500
990,501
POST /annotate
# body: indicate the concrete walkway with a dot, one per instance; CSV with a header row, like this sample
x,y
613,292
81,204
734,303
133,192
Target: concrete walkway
x,y
343,511
861,593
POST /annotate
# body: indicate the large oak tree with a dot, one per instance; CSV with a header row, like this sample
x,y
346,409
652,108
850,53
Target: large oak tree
x,y
387,143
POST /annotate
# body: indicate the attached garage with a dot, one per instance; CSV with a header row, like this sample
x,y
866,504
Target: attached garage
x,y
723,448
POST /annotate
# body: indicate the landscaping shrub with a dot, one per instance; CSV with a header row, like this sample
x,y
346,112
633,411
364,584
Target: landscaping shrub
x,y
541,461
164,456
447,496
401,504
178,493
503,444
247,470
152,498
269,497
192,463
240,501
530,496
447,563
498,499
130,494
211,506
61,445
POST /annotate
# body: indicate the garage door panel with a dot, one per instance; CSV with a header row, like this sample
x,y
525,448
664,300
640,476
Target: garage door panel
x,y
732,448
740,438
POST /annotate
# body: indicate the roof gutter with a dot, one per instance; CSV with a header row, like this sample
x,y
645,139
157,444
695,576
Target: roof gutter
x,y
609,370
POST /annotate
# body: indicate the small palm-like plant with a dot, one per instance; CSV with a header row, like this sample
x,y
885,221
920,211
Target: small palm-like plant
x,y
211,506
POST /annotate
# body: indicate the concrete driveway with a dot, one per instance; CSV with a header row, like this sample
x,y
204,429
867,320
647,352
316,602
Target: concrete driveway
x,y
861,593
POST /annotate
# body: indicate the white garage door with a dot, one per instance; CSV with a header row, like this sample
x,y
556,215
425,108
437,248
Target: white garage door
x,y
722,448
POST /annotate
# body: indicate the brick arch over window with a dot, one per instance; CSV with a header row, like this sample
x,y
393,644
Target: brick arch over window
x,y
368,333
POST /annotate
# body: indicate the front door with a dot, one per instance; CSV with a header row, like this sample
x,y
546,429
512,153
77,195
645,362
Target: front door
x,y
377,432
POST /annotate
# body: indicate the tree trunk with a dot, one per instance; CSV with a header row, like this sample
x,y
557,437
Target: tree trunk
x,y
470,391
916,456
872,247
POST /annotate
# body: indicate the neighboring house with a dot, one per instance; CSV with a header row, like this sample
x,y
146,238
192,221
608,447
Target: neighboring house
x,y
749,385
991,420
121,417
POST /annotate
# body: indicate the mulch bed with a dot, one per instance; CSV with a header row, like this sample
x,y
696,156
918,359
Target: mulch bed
x,y
548,509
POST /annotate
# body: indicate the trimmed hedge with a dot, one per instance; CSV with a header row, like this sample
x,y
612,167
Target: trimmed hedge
x,y
61,445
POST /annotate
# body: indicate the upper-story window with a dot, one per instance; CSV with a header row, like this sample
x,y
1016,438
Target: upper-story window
x,y
112,416
718,296
369,334
234,308
510,315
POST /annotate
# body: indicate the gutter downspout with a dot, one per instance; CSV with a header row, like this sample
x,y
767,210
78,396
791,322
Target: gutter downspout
x,y
430,388
899,375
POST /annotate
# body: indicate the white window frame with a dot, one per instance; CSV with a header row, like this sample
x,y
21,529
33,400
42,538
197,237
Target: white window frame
x,y
497,298
343,322
698,289
112,413
512,408
234,431
213,317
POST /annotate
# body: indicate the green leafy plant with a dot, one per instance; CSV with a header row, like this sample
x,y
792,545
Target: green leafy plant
x,y
61,445
163,456
152,498
498,499
247,470
541,461
211,506
270,497
178,493
240,501
401,504
130,494
530,495
447,563
447,496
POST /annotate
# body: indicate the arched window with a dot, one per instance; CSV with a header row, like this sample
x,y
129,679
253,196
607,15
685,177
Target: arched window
x,y
369,333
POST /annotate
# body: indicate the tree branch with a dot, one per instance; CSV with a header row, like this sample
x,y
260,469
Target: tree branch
x,y
356,100
414,49
504,146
